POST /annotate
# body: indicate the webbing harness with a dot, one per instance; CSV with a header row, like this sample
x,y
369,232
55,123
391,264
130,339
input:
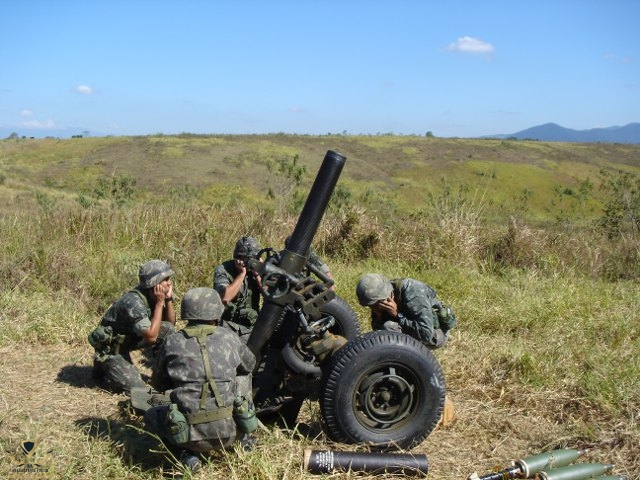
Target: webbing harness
x,y
200,333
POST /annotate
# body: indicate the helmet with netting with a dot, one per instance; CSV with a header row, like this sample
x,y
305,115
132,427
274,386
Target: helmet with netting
x,y
246,247
201,303
373,287
153,272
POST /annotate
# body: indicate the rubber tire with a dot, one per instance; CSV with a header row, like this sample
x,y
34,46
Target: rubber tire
x,y
346,325
375,356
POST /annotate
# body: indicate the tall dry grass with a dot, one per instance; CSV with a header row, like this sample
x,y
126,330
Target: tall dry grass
x,y
546,353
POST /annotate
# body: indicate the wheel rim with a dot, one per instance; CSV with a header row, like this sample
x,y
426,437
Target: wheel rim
x,y
386,397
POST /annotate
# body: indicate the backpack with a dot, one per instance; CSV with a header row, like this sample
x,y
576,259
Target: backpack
x,y
446,317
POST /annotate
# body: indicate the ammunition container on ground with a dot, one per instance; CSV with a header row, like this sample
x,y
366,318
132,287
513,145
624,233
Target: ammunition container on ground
x,y
578,471
528,466
547,460
326,461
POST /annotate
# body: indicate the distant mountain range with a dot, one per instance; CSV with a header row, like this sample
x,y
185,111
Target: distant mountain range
x,y
549,132
552,132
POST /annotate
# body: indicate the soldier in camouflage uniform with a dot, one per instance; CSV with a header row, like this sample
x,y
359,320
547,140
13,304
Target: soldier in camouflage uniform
x,y
140,318
408,306
239,288
203,366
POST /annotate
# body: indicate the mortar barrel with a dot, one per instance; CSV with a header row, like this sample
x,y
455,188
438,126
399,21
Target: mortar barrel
x,y
271,313
316,204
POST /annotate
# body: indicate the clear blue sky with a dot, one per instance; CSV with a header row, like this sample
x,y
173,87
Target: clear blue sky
x,y
459,68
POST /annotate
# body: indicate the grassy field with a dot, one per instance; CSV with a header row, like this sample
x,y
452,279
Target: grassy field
x,y
520,237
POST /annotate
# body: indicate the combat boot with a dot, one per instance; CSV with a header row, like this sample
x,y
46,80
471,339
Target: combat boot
x,y
189,460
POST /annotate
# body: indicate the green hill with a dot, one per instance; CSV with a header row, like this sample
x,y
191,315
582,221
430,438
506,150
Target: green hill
x,y
536,180
535,245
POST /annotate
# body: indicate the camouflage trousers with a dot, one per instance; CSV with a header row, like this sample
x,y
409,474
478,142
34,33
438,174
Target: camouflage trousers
x,y
117,372
441,337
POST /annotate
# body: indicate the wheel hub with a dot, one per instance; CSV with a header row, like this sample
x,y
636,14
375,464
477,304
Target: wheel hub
x,y
386,397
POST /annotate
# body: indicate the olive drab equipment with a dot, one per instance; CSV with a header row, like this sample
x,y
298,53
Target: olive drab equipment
x,y
153,272
244,414
101,339
246,247
201,303
177,425
445,315
200,333
373,287
242,410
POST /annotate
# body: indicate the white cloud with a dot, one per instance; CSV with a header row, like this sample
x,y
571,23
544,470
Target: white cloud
x,y
84,90
39,124
611,57
471,45
26,113
296,110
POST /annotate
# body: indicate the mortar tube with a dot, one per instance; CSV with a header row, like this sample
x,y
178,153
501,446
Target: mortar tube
x,y
271,314
316,204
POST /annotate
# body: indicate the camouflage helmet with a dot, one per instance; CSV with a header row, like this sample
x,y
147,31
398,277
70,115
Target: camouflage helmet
x,y
153,272
201,303
373,287
246,247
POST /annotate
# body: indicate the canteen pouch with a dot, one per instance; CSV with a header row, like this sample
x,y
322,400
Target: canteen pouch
x,y
177,426
446,318
244,414
101,338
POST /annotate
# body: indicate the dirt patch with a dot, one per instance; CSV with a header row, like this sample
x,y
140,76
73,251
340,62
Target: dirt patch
x,y
49,397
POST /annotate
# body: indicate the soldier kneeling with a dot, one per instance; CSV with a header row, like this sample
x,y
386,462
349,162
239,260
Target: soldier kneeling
x,y
207,368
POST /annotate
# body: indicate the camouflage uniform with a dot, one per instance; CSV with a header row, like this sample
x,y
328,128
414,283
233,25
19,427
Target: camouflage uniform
x,y
124,323
241,313
420,313
180,367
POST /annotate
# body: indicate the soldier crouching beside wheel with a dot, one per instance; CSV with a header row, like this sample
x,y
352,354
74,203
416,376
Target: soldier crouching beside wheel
x,y
207,369
140,318
408,306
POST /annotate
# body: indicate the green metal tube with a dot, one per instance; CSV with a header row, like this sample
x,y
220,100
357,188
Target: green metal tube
x,y
544,461
528,466
578,471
